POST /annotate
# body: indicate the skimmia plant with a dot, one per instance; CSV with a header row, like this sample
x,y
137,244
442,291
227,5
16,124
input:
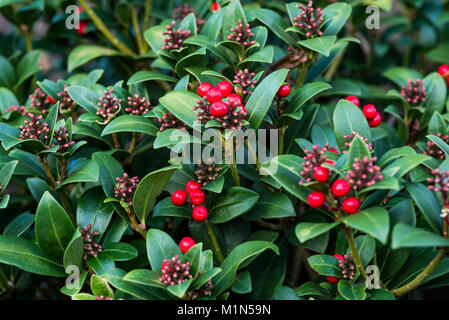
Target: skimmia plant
x,y
121,167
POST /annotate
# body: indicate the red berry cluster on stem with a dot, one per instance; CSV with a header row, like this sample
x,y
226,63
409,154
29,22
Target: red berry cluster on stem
x,y
220,104
369,111
443,70
195,196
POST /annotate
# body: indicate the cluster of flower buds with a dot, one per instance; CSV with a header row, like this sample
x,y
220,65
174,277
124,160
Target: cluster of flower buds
x,y
138,105
62,140
244,82
20,109
241,34
220,104
440,183
34,128
414,93
204,291
174,37
66,104
347,266
433,150
364,173
169,121
443,70
174,271
369,111
108,106
41,101
309,20
183,11
207,172
196,196
125,187
91,248
313,160
103,298
350,137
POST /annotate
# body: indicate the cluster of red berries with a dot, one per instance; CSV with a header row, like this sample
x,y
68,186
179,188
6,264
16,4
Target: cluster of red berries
x,y
443,70
196,196
229,112
340,188
312,165
370,112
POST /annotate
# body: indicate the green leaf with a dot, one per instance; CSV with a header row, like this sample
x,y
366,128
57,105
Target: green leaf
x,y
403,165
131,123
149,188
387,183
7,99
91,209
401,76
180,103
160,246
85,53
351,291
10,138
119,251
366,246
210,45
19,225
357,150
373,221
271,205
348,118
27,66
305,93
264,56
263,95
53,227
233,203
285,293
6,173
405,236
83,296
325,265
144,75
309,230
73,255
240,255
427,203
275,23
8,75
85,171
437,124
436,95
322,45
380,294
86,98
335,16
100,287
110,169
311,289
242,283
284,169
233,12
27,256
180,289
166,208
440,54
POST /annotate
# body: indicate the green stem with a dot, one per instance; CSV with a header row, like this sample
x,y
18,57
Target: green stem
x,y
4,283
271,226
28,41
104,30
281,139
235,174
134,139
146,22
135,21
252,153
420,277
213,238
354,251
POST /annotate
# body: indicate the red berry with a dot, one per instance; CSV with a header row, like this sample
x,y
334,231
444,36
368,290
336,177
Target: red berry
x,y
375,121
369,111
81,28
340,188
197,197
316,199
192,185
216,6
443,70
51,99
234,99
338,256
351,205
332,279
164,265
185,244
225,88
243,109
214,95
354,100
179,197
199,213
219,109
321,174
284,91
204,88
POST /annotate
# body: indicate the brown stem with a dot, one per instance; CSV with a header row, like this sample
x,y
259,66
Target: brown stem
x,y
116,141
